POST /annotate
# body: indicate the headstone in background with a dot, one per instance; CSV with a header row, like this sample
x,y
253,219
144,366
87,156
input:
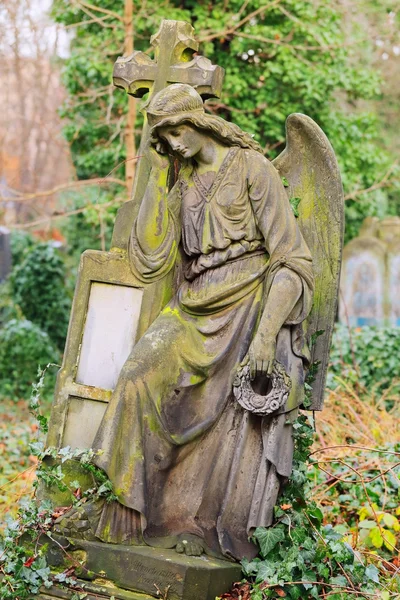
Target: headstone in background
x,y
5,253
389,232
370,281
363,275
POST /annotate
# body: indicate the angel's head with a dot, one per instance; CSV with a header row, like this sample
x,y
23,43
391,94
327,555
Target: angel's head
x,y
176,116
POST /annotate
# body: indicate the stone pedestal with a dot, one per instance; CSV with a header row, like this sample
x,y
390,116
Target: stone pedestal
x,y
94,591
140,573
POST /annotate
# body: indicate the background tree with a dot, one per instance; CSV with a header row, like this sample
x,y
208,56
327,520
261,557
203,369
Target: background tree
x,y
33,154
280,57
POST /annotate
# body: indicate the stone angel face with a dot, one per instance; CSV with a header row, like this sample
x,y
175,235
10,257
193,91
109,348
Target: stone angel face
x,y
184,140
178,119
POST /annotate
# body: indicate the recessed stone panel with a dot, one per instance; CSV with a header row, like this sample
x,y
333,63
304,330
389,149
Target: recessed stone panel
x,y
109,333
84,418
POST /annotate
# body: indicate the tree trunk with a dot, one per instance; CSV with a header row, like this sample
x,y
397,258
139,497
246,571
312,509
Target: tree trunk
x,y
131,116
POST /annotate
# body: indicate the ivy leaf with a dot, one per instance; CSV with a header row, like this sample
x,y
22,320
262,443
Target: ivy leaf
x,y
268,539
315,515
249,568
294,203
316,335
339,580
266,572
295,592
285,182
372,573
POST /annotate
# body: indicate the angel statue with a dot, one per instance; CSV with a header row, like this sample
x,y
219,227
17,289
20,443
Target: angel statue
x,y
197,439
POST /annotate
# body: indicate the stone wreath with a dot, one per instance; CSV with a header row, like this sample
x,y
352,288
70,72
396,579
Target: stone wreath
x,y
256,403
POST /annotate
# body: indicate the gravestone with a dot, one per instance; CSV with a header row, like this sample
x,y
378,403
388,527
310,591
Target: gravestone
x,y
362,282
389,233
133,352
370,277
5,253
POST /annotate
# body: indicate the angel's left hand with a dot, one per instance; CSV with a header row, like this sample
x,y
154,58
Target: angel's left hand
x,y
261,355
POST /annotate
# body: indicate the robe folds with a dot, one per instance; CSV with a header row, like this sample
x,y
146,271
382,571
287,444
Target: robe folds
x,y
183,456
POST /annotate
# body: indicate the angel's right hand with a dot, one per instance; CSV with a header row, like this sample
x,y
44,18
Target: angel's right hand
x,y
158,157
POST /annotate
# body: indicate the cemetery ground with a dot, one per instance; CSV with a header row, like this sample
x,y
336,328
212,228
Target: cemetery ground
x,y
353,477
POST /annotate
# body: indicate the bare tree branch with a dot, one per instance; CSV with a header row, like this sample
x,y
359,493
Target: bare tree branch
x,y
104,11
259,38
233,28
385,182
23,197
49,219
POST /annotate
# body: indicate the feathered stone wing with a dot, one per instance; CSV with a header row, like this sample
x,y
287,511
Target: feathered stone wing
x,y
310,167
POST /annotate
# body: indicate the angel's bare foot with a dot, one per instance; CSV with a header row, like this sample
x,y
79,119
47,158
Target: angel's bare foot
x,y
191,545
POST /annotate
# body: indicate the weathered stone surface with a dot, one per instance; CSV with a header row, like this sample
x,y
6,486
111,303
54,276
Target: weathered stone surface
x,y
109,335
96,268
72,471
311,169
147,570
94,591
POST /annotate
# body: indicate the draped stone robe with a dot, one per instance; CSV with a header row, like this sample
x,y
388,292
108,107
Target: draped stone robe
x,y
182,455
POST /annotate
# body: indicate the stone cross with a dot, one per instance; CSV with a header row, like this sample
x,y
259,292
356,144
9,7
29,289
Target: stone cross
x,y
174,45
5,253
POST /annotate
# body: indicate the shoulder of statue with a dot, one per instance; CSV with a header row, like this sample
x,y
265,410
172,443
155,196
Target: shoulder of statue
x,y
257,164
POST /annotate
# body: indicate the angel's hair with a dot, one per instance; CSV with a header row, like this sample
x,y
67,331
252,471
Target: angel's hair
x,y
180,104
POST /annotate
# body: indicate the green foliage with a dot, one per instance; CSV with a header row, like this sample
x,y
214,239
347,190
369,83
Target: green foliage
x,y
362,499
21,243
369,356
279,58
300,558
38,288
23,348
16,463
23,560
294,203
85,229
8,310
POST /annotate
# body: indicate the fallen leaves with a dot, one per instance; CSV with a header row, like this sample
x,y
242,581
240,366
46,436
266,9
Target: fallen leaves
x,y
17,464
239,591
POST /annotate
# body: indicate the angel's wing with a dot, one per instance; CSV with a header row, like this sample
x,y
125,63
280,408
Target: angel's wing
x,y
310,166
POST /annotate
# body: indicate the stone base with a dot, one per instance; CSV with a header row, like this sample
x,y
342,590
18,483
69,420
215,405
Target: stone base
x,y
94,591
152,571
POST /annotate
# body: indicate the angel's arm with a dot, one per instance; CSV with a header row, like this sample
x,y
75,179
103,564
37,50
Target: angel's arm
x,y
155,235
152,220
290,262
283,296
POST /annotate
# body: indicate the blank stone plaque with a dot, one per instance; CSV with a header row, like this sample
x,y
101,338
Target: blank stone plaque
x,y
109,333
84,418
